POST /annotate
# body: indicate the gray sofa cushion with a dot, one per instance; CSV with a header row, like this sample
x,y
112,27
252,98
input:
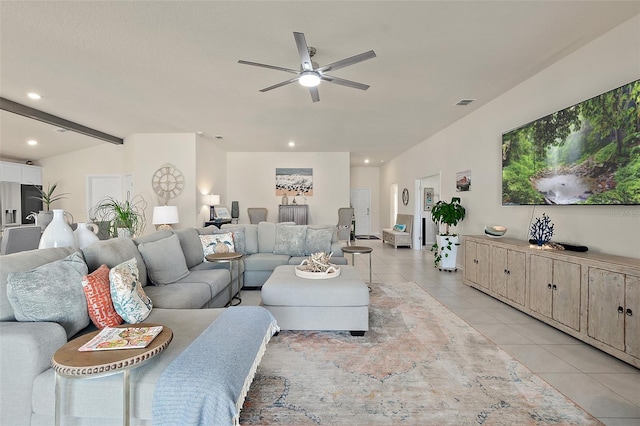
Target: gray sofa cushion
x,y
265,261
113,252
179,295
216,279
191,246
51,292
24,261
266,237
165,262
155,236
318,240
290,239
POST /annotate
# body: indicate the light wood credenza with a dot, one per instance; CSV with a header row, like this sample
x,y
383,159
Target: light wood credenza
x,y
593,297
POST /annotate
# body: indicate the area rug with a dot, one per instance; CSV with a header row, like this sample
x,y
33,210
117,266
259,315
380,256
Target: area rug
x,y
419,364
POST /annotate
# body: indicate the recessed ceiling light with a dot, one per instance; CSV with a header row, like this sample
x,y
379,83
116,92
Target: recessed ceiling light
x,y
200,133
33,95
366,161
32,142
292,144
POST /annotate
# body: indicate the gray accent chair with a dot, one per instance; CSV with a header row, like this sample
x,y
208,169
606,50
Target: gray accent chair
x,y
20,238
257,214
345,217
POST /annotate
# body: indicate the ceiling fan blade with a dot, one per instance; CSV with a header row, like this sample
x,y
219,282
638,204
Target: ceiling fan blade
x,y
303,51
272,67
348,61
343,82
315,96
284,83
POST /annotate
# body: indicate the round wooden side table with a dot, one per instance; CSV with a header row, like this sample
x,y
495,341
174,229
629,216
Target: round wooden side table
x,y
230,258
70,363
359,250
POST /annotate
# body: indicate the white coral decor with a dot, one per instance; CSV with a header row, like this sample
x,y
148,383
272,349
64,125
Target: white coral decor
x,y
317,262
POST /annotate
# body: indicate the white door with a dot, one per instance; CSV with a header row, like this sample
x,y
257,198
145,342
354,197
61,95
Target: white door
x,y
361,203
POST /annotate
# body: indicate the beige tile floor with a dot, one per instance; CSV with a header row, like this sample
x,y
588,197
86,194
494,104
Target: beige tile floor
x,y
605,387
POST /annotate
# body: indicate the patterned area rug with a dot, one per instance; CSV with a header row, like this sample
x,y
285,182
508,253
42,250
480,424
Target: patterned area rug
x,y
418,365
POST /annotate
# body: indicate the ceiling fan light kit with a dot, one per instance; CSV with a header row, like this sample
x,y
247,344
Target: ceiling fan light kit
x,y
309,79
311,74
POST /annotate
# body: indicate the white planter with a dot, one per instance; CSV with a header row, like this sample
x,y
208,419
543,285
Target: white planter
x,y
449,252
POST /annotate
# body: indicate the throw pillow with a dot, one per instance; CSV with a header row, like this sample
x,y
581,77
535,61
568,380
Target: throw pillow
x,y
290,239
318,240
164,259
398,227
129,299
98,293
51,292
217,243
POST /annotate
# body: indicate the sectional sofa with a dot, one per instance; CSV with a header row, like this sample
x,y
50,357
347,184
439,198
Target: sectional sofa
x,y
177,280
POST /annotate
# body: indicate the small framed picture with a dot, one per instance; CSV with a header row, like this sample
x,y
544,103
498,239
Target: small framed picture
x,y
222,213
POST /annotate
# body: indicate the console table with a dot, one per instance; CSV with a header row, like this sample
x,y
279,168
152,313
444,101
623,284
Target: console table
x,y
217,222
297,213
593,297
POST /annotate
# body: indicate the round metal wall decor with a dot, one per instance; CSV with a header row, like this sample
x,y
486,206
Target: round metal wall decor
x,y
405,196
167,182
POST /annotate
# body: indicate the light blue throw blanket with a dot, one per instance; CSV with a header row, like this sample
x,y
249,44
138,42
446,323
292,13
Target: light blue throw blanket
x,y
207,383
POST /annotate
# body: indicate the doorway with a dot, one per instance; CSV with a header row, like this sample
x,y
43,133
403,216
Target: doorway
x,y
427,194
361,203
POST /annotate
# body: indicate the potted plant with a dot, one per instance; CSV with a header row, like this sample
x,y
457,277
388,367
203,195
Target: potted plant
x,y
126,218
47,196
446,245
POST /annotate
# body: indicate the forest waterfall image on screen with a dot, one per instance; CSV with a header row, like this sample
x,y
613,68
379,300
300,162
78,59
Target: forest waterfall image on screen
x,y
588,153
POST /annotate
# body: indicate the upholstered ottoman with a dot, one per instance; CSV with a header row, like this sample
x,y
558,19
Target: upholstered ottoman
x,y
340,303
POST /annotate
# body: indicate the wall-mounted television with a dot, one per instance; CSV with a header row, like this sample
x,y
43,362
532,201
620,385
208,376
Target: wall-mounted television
x,y
588,153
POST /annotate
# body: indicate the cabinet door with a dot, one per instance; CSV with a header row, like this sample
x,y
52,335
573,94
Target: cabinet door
x,y
32,175
470,260
566,293
499,267
10,172
632,315
516,276
606,296
540,284
482,272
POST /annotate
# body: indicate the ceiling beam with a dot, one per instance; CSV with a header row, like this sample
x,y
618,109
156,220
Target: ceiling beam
x,y
26,111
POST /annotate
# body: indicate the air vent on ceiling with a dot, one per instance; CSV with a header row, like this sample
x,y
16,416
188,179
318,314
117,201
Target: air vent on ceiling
x,y
464,102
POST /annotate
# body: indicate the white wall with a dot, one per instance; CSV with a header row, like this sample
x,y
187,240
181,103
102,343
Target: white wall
x,y
369,177
211,177
252,176
71,170
474,143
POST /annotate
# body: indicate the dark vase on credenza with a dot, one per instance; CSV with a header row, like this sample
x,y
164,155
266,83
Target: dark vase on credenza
x,y
235,210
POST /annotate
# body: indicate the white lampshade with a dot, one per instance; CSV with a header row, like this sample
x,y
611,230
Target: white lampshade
x,y
165,215
211,200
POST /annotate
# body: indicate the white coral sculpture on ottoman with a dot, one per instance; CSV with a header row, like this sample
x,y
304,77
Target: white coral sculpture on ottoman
x,y
318,262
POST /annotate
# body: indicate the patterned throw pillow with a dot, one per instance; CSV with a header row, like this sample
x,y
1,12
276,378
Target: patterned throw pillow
x,y
398,227
129,299
97,290
217,243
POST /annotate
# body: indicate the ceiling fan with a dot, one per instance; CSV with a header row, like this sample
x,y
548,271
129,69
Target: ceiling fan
x,y
310,73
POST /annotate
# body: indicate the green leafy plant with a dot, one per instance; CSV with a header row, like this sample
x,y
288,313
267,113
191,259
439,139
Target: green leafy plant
x,y
47,195
128,214
448,214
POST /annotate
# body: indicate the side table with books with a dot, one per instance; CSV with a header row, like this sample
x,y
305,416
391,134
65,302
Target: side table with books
x,y
107,352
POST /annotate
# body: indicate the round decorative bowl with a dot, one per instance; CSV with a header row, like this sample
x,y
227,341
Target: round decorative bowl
x,y
495,231
332,272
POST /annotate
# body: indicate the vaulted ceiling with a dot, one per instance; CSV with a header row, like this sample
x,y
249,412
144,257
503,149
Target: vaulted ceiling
x,y
172,66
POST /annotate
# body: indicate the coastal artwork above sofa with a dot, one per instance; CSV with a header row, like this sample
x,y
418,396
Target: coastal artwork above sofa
x,y
294,181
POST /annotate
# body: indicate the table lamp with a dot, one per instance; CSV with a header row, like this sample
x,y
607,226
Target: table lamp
x,y
165,216
212,200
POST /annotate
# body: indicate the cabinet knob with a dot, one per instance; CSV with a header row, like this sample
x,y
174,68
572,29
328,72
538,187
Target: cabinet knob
x,y
508,272
555,287
505,271
549,286
620,309
629,312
